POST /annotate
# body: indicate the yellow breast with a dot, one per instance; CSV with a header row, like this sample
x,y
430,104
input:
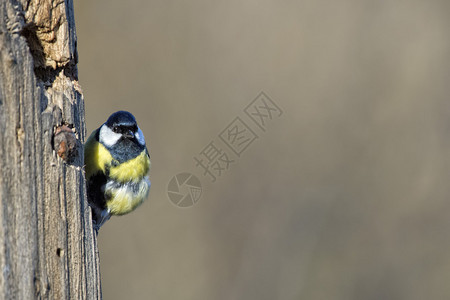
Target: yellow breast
x,y
127,197
132,170
97,158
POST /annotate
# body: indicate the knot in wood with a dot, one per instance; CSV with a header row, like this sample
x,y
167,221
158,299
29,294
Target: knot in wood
x,y
65,143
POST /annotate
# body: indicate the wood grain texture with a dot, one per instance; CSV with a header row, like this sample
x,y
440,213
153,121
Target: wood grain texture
x,y
48,249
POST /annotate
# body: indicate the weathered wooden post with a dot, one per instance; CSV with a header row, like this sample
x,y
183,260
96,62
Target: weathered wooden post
x,y
48,249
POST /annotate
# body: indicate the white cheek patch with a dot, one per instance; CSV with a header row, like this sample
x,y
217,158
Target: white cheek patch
x,y
107,136
140,137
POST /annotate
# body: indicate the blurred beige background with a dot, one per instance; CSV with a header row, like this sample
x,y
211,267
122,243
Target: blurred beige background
x,y
345,196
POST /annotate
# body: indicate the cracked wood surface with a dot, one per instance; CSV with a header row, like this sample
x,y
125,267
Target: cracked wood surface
x,y
48,249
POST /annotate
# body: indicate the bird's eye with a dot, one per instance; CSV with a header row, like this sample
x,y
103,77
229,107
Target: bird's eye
x,y
116,129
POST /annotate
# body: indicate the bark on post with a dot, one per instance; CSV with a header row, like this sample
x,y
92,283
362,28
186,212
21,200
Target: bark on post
x,y
48,249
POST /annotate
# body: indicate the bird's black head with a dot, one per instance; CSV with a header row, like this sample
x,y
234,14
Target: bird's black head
x,y
122,122
121,135
121,118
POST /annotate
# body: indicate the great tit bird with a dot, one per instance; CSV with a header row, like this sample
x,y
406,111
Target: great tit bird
x,y
117,165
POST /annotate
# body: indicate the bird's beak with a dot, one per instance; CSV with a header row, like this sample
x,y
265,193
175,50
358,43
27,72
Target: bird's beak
x,y
129,134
